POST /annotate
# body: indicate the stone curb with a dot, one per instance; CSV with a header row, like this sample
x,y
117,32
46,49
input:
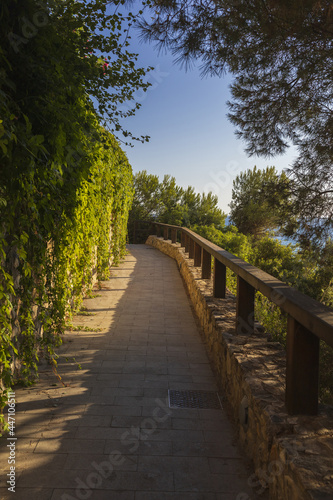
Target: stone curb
x,y
292,455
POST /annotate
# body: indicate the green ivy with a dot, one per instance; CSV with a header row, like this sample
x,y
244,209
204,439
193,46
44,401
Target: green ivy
x,y
66,185
43,278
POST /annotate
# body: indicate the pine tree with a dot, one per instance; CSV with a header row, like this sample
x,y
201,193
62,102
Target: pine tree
x,y
258,202
280,53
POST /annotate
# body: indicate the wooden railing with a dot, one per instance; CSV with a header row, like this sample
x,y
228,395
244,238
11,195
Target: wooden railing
x,y
309,321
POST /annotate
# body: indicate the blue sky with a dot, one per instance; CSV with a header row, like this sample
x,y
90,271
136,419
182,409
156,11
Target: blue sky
x,y
191,137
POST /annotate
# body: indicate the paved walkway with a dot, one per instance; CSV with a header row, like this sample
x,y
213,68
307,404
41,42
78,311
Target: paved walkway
x,y
109,433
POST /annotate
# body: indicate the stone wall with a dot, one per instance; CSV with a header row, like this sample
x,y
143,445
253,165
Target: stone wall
x,y
292,455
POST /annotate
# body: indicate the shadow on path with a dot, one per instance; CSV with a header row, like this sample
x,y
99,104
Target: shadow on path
x,y
109,433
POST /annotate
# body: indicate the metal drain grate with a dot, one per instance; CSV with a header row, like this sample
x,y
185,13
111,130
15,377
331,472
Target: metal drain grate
x,y
207,400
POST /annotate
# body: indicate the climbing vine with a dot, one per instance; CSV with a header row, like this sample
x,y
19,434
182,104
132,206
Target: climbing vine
x,y
66,185
44,276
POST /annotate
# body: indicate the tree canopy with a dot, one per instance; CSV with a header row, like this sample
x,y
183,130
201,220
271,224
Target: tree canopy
x,y
55,55
167,202
259,202
280,54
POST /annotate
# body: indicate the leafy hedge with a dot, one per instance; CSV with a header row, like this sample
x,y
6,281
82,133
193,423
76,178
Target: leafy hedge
x,y
47,262
65,184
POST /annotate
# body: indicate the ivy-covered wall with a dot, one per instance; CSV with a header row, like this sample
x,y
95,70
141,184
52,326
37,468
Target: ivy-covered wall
x,y
67,81
47,265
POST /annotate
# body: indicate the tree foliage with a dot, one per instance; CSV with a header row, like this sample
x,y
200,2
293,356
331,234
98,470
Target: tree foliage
x,y
69,52
259,202
165,201
280,54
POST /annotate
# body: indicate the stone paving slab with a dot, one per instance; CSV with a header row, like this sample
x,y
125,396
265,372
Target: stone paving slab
x,y
108,432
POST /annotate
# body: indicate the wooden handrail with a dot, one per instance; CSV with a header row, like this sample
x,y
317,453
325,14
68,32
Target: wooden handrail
x,y
308,320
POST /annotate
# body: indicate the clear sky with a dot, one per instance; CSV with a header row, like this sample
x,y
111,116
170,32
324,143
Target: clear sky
x,y
191,137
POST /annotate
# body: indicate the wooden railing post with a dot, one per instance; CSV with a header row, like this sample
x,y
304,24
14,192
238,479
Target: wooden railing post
x,y
166,231
219,282
191,249
174,235
182,239
206,265
244,307
302,375
197,255
187,243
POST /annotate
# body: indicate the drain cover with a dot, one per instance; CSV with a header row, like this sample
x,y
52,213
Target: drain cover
x,y
208,400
